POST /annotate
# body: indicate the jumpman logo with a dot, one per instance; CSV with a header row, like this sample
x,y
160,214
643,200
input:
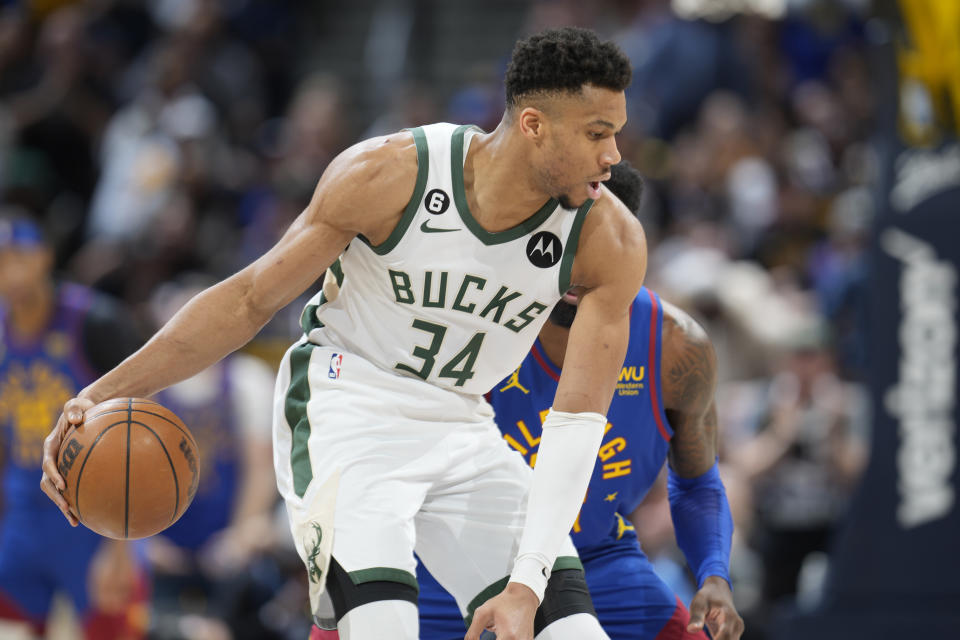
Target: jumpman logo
x,y
515,382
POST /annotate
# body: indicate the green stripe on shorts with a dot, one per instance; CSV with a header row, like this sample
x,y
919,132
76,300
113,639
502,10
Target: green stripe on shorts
x,y
562,563
483,596
295,411
384,574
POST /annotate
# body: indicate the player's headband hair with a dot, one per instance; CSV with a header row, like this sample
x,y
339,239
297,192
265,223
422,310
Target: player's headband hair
x,y
20,233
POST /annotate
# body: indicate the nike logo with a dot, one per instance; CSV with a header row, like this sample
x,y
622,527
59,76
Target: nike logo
x,y
426,228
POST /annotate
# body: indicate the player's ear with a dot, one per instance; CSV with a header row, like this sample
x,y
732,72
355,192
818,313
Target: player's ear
x,y
532,123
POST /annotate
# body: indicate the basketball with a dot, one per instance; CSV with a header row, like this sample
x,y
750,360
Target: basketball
x,y
130,468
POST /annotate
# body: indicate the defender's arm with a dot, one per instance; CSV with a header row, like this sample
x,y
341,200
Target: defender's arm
x,y
698,501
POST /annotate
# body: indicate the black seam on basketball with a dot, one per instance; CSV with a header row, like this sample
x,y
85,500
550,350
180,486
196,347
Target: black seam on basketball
x,y
126,491
173,471
122,401
156,415
76,493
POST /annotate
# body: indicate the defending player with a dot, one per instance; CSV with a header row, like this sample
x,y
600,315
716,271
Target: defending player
x,y
663,408
458,242
56,337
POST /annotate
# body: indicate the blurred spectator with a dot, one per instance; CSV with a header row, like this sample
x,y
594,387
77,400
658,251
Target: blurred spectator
x,y
799,439
199,560
57,337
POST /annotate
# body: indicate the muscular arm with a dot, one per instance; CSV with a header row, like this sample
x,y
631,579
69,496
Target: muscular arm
x,y
364,190
698,501
689,379
610,265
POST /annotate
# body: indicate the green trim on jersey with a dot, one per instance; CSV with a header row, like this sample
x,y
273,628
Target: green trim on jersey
x,y
384,574
423,168
295,411
562,563
337,269
308,318
569,251
460,198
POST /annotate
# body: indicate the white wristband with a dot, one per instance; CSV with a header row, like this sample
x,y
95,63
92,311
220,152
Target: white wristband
x,y
565,461
532,570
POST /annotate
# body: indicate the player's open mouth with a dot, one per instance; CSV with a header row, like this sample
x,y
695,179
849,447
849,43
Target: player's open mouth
x,y
594,188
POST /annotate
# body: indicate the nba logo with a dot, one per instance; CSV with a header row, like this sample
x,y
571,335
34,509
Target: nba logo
x,y
335,361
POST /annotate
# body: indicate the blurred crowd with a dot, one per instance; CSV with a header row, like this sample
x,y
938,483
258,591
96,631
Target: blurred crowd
x,y
162,143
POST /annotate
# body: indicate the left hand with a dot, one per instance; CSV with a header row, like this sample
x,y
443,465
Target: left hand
x,y
509,614
113,577
713,605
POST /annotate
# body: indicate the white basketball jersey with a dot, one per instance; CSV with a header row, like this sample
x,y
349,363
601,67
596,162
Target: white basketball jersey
x,y
442,299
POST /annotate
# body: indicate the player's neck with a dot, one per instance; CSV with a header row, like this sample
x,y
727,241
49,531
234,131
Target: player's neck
x,y
31,314
553,339
496,174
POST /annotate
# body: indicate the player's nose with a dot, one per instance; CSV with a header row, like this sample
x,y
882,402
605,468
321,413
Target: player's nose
x,y
610,154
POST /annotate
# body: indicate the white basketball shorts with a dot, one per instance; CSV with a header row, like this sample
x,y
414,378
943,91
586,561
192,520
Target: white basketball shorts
x,y
375,465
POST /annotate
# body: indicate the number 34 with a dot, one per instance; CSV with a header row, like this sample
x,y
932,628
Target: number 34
x,y
460,366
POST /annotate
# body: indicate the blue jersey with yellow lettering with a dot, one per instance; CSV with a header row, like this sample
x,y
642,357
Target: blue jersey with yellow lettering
x,y
36,377
637,434
630,600
39,551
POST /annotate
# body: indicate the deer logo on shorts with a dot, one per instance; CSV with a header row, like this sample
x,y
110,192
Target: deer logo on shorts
x,y
313,569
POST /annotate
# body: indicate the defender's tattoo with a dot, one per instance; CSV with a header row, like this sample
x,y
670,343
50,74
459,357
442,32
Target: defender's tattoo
x,y
688,389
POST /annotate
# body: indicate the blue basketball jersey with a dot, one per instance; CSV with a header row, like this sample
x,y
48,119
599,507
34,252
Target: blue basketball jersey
x,y
39,551
37,376
637,434
213,424
630,599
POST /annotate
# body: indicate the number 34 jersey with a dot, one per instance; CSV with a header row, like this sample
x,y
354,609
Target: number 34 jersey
x,y
442,299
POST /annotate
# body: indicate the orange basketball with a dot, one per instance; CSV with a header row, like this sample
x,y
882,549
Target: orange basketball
x,y
130,468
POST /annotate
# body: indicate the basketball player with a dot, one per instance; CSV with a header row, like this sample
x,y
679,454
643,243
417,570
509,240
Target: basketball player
x,y
450,245
56,337
662,409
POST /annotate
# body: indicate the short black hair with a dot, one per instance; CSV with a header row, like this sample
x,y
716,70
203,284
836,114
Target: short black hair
x,y
627,184
563,60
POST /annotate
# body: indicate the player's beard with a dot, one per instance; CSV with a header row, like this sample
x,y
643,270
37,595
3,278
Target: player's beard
x,y
563,314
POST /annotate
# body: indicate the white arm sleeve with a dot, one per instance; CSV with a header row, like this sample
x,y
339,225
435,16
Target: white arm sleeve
x,y
565,461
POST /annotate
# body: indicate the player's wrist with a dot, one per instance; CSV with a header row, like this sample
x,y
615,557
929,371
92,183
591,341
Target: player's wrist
x,y
90,394
523,592
532,572
721,581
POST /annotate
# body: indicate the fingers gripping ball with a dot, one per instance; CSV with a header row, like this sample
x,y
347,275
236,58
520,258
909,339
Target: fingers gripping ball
x,y
130,468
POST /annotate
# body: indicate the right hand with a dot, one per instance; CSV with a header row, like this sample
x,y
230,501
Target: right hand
x,y
52,483
509,614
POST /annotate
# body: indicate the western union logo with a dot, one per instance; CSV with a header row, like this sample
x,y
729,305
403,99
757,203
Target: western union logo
x,y
631,380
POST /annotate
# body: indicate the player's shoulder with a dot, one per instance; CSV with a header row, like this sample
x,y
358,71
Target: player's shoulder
x,y
611,224
367,185
390,157
612,246
685,338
